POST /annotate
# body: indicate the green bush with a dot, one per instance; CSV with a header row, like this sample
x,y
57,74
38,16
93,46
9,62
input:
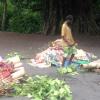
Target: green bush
x,y
0,22
9,14
25,22
0,15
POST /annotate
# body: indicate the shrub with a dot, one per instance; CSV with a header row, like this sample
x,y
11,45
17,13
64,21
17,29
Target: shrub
x,y
26,22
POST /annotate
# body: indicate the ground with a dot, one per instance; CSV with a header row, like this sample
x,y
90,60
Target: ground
x,y
85,86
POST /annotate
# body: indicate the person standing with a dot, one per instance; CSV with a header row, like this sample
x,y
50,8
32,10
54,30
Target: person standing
x,y
67,38
66,32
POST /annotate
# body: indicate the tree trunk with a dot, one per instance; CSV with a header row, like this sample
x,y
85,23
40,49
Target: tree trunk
x,y
4,15
87,23
57,10
59,17
50,22
45,15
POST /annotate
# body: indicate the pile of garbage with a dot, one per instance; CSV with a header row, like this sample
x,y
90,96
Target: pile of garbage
x,y
11,71
53,56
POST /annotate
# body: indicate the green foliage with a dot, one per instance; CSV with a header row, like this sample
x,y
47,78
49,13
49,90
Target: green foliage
x,y
0,14
71,69
13,54
9,12
25,19
21,17
27,22
43,88
97,5
68,51
27,4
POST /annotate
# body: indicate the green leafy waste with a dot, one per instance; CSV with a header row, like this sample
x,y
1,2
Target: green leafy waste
x,y
68,51
71,69
43,88
13,54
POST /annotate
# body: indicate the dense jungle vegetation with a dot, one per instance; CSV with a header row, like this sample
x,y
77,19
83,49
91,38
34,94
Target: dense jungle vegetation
x,y
46,16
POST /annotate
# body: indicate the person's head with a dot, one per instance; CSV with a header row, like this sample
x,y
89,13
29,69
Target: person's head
x,y
69,19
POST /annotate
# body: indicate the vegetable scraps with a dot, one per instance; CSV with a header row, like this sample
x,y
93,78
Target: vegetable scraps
x,y
43,88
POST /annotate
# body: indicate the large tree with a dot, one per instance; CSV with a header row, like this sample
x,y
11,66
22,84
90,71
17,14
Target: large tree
x,y
4,2
55,12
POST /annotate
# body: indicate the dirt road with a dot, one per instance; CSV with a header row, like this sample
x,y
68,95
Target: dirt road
x,y
85,86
